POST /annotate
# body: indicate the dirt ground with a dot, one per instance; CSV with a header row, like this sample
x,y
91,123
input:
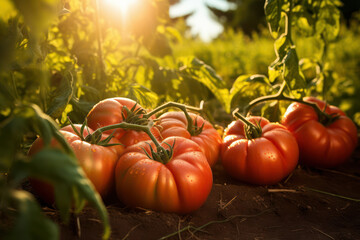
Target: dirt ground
x,y
309,204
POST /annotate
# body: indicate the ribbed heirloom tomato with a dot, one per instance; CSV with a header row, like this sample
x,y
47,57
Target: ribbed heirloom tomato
x,y
203,133
323,142
98,162
116,110
180,184
262,156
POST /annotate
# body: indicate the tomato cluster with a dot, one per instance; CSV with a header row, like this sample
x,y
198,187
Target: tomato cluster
x,y
165,163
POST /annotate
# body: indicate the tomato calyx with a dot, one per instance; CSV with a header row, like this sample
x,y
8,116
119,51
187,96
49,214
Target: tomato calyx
x,y
161,154
195,129
327,119
134,116
251,130
93,138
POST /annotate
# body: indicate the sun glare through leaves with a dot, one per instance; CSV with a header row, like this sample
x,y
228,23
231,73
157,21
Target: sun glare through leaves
x,y
120,6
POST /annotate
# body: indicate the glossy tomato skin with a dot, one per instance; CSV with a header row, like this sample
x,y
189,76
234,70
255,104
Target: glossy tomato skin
x,y
110,111
182,185
98,162
264,160
321,146
209,140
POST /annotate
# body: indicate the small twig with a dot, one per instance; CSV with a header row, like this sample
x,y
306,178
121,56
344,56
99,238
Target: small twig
x,y
192,235
277,190
78,227
179,227
288,178
132,229
325,234
332,194
223,206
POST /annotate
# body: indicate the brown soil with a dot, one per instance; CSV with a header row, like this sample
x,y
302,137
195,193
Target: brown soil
x,y
309,204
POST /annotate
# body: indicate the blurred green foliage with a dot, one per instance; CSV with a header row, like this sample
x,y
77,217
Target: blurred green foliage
x,y
235,54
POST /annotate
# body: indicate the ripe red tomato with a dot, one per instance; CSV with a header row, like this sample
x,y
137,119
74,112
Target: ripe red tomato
x,y
263,160
111,111
181,185
209,140
98,162
323,145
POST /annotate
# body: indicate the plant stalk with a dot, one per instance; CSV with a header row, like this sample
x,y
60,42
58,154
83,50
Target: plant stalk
x,y
182,107
252,131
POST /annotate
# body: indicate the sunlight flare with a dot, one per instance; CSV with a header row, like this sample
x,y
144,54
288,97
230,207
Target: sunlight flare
x,y
122,6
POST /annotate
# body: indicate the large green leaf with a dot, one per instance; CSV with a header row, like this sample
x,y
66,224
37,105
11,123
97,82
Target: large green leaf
x,y
24,119
61,96
292,74
328,19
246,88
273,15
30,222
206,75
69,181
58,167
142,95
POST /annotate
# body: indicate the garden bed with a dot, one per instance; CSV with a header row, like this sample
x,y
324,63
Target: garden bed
x,y
309,204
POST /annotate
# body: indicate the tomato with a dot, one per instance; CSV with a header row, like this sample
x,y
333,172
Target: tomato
x,y
209,140
111,111
262,160
181,185
98,162
324,145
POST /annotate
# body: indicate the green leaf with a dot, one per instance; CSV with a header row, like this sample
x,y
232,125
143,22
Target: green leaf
x,y
273,15
328,81
207,76
328,20
273,111
38,14
30,222
292,74
142,95
69,180
246,88
174,34
61,96
275,71
304,18
158,45
24,119
309,68
80,109
282,46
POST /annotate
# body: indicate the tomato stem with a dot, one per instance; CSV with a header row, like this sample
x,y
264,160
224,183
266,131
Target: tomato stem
x,y
322,115
161,155
192,129
251,130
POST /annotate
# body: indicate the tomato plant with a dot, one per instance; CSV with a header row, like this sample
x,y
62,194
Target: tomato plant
x,y
116,110
198,130
258,151
177,179
97,161
325,140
